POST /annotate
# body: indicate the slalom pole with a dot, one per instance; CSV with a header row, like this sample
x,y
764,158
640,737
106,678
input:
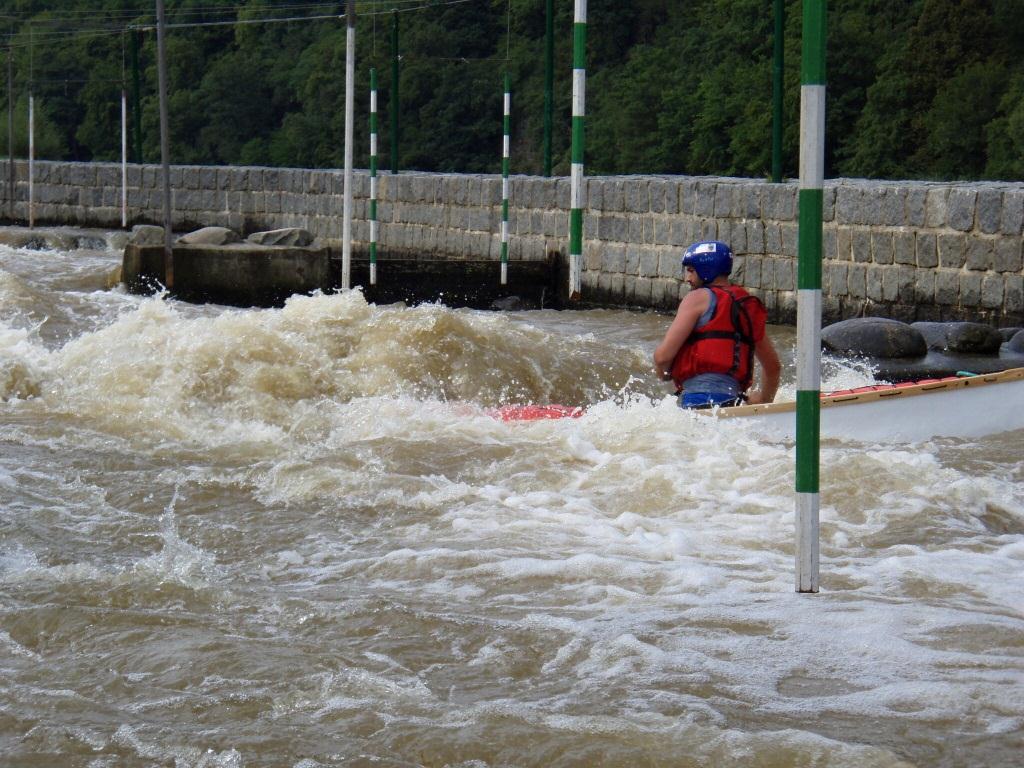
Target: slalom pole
x,y
124,158
350,85
549,79
579,82
808,368
506,128
778,65
373,176
31,160
393,96
165,147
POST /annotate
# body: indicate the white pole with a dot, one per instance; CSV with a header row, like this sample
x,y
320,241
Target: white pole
x,y
350,85
124,159
31,161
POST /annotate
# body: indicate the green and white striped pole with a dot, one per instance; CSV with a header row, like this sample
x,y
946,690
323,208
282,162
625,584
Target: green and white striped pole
x,y
506,130
350,86
808,367
373,176
579,83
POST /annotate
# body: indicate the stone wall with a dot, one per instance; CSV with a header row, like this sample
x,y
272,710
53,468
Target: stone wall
x,y
907,250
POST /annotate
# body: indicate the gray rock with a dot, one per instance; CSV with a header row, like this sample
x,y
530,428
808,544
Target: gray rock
x,y
147,234
210,236
961,338
293,236
875,337
1009,333
511,304
1016,342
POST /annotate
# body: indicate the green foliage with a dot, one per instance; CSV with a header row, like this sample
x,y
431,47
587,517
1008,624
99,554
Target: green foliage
x,y
920,89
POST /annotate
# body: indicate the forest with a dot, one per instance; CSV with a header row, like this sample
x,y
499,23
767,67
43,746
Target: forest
x,y
916,89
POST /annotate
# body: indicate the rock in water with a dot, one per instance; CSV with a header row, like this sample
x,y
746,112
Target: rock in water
x,y
961,338
875,337
210,236
293,236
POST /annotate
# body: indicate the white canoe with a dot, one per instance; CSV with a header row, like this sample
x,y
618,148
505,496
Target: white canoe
x,y
970,406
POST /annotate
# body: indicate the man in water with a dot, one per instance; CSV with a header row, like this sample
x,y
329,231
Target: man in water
x,y
719,330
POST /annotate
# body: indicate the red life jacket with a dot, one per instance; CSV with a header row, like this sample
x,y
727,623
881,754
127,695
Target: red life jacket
x,y
725,343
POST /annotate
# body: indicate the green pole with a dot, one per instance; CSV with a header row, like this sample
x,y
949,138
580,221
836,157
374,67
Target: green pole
x,y
373,176
808,369
579,81
506,132
549,80
136,97
393,99
778,62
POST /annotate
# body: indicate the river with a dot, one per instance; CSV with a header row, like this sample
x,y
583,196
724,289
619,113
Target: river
x,y
297,537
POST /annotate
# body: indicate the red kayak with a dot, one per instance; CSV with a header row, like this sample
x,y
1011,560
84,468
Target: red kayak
x,y
535,412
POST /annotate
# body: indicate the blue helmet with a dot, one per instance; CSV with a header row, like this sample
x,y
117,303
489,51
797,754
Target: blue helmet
x,y
709,259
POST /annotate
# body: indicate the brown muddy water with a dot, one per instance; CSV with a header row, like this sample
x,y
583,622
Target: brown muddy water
x,y
295,537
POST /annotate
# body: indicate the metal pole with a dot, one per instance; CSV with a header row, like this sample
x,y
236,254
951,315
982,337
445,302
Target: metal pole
x,y
579,82
778,61
10,128
136,96
31,160
350,84
124,158
165,152
506,131
808,369
373,176
549,80
393,98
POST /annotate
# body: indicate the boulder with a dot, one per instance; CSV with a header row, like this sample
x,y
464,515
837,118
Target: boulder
x,y
293,236
1016,342
875,337
147,234
210,236
961,338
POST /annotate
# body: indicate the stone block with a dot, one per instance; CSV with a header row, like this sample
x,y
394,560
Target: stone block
x,y
856,283
723,201
903,248
642,290
595,194
882,247
947,287
844,244
613,258
638,199
772,239
780,202
752,194
704,198
992,291
768,273
631,260
936,207
634,229
1013,304
656,195
662,227
687,196
671,197
208,178
890,283
862,245
873,281
563,194
829,243
1012,217
979,253
906,278
916,201
952,251
1006,256
970,289
708,230
837,275
828,204
924,287
617,287
927,250
847,204
990,210
648,262
893,207
790,240
755,236
961,214
669,264
871,205
785,274
614,195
